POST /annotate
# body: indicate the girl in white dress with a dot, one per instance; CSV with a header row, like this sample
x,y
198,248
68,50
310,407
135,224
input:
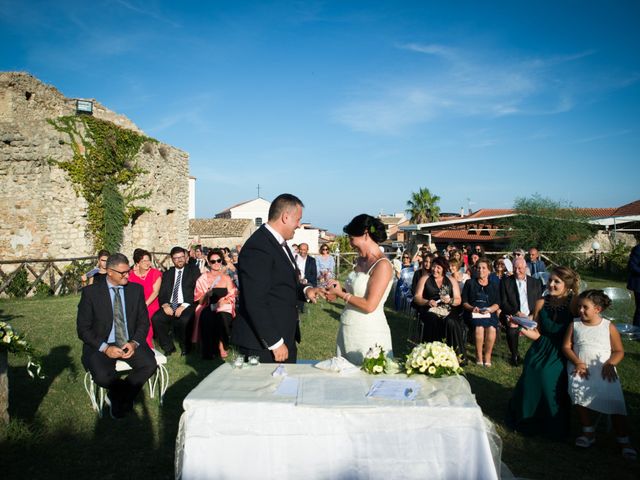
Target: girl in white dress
x,y
363,323
594,348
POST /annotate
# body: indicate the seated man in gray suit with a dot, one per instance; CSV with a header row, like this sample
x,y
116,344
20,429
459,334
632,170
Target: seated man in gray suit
x,y
113,323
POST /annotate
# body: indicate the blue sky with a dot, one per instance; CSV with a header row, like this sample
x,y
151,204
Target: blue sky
x,y
352,105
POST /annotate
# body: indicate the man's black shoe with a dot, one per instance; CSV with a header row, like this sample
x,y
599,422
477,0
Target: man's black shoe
x,y
114,410
168,352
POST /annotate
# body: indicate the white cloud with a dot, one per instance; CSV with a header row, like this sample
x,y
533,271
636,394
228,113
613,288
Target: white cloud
x,y
147,12
603,136
458,82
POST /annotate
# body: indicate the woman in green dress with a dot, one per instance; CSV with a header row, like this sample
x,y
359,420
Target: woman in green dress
x,y
540,402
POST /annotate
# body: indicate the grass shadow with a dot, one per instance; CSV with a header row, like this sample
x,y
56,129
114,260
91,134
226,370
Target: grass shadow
x,y
56,362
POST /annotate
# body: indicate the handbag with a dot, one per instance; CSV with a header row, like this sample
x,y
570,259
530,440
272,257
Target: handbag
x,y
440,310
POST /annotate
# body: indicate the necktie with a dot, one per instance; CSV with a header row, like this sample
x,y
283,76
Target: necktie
x,y
174,294
118,318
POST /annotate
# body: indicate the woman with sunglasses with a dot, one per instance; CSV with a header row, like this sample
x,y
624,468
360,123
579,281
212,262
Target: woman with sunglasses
x,y
403,295
216,296
326,266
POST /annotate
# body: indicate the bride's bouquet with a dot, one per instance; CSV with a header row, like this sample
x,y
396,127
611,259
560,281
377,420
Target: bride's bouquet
x,y
375,360
435,359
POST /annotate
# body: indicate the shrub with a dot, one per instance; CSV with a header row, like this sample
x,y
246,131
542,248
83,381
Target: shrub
x,y
617,258
19,285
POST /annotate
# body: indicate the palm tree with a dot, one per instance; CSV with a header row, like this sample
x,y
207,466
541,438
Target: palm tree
x,y
423,206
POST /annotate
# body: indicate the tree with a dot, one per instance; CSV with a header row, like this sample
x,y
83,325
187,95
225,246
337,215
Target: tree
x,y
423,206
547,225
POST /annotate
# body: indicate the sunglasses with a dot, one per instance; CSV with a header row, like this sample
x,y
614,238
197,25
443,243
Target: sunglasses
x,y
215,260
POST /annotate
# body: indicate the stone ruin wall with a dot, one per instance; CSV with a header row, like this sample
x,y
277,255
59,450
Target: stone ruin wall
x,y
42,217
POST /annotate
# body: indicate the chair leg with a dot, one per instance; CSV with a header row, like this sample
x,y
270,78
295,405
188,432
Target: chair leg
x,y
161,375
96,394
164,381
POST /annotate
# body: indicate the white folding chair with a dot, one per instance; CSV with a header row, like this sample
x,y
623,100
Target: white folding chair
x,y
97,393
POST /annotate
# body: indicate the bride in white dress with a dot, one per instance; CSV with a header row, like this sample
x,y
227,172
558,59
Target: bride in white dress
x,y
363,323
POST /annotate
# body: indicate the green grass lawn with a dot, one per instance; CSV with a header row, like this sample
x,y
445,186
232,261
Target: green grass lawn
x,y
55,434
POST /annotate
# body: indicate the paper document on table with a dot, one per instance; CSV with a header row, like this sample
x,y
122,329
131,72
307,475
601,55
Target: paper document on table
x,y
288,387
480,315
332,391
394,389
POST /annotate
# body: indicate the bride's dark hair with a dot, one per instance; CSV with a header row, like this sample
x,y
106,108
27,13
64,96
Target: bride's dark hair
x,y
366,223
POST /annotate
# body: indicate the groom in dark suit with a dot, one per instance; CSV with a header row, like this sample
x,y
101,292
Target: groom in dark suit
x,y
518,296
113,323
267,320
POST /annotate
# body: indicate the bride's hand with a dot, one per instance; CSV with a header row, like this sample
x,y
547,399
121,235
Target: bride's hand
x,y
334,288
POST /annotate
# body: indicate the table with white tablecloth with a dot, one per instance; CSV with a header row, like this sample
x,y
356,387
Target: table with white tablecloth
x,y
238,424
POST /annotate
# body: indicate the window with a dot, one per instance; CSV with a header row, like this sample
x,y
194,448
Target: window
x,y
258,221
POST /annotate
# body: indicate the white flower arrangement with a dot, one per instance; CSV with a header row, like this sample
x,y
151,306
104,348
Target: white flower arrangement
x,y
15,343
435,359
375,360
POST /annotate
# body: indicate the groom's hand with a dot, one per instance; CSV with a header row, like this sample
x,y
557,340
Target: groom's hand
x,y
281,353
313,294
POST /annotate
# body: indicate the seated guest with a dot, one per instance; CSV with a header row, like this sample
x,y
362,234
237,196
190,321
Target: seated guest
x,y
150,279
481,301
99,271
229,265
425,269
176,303
473,264
535,264
200,260
499,271
519,294
307,269
519,252
326,266
423,251
457,256
439,298
215,310
456,274
508,264
113,323
403,285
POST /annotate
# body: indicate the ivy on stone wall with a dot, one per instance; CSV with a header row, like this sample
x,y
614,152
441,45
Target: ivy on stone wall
x,y
103,170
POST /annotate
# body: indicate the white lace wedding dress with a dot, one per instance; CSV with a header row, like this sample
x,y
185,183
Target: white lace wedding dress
x,y
360,331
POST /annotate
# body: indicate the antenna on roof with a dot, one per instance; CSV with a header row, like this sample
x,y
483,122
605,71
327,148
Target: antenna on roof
x,y
258,190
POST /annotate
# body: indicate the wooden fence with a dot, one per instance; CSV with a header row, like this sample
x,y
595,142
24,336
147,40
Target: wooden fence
x,y
60,276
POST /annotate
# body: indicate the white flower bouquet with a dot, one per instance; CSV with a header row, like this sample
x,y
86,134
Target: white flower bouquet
x,y
435,359
15,343
375,360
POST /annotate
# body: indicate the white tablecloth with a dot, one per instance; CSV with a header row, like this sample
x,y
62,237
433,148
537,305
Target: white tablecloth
x,y
235,427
